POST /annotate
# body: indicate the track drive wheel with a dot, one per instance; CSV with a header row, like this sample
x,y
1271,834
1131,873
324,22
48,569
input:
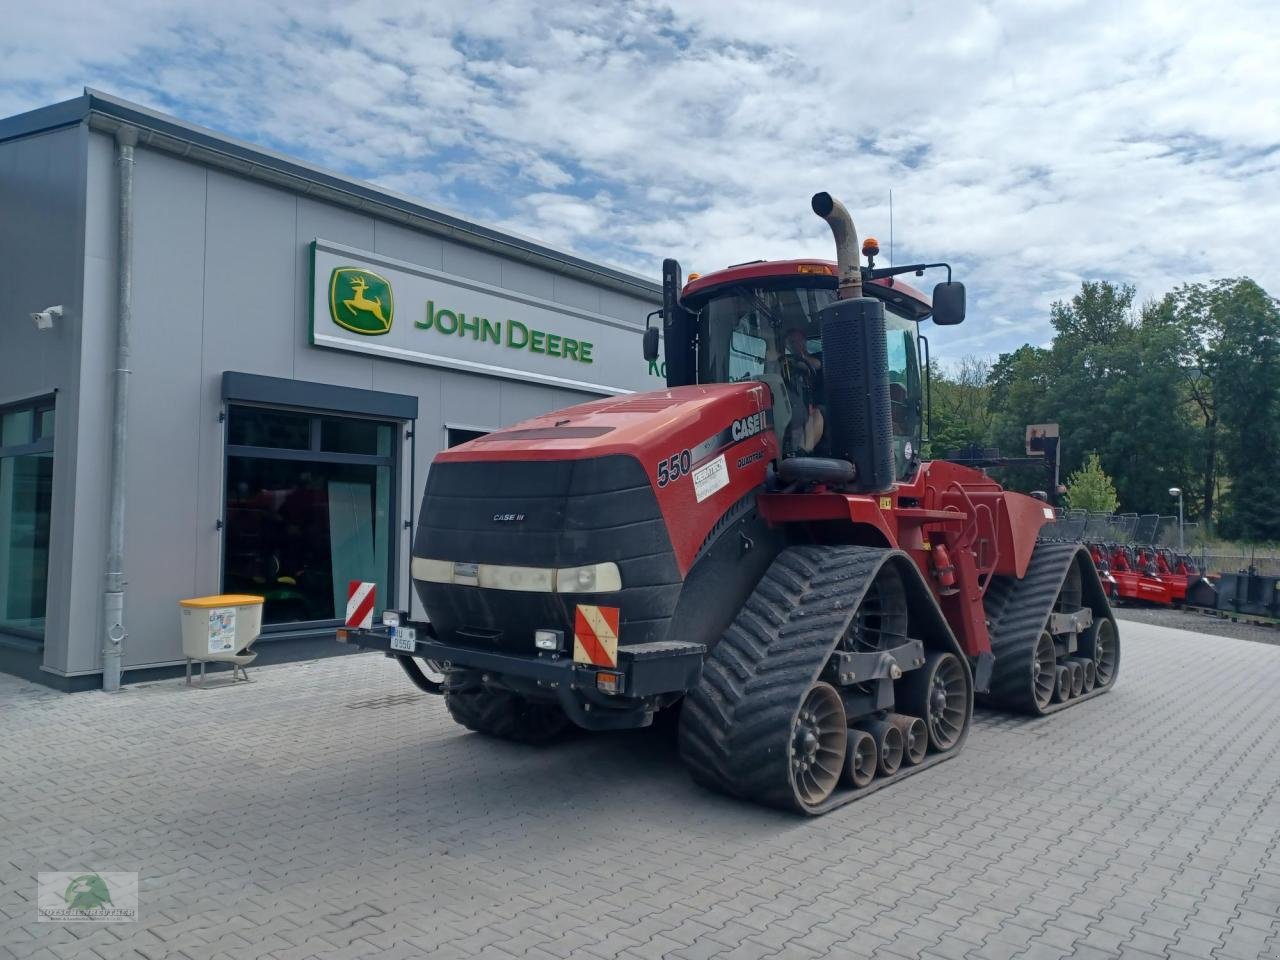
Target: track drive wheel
x,y
1102,646
941,694
819,734
497,713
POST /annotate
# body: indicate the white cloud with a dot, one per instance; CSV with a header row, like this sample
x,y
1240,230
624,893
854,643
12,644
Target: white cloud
x,y
1030,144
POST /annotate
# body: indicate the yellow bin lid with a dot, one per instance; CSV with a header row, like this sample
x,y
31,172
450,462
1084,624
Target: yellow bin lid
x,y
222,600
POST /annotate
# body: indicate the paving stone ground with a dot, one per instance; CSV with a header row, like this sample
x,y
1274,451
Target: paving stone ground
x,y
330,810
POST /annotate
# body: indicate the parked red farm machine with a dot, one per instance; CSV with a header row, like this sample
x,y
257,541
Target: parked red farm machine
x,y
759,546
1142,559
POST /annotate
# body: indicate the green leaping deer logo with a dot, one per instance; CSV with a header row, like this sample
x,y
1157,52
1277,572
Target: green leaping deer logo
x,y
360,301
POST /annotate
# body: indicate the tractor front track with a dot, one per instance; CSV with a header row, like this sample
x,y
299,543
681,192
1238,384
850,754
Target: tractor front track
x,y
761,696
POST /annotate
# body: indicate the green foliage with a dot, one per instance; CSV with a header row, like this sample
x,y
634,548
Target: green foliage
x,y
1089,488
1180,392
961,407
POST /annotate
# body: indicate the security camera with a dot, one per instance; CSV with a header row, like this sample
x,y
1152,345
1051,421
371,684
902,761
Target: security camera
x,y
44,319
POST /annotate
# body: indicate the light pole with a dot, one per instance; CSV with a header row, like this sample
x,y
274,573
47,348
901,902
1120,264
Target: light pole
x,y
1177,492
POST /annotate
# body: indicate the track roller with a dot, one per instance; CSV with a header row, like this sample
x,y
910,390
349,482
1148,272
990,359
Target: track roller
x,y
890,745
861,759
1090,675
939,693
1077,677
915,737
1062,684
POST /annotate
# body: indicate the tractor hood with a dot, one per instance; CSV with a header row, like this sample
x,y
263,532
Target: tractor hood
x,y
701,419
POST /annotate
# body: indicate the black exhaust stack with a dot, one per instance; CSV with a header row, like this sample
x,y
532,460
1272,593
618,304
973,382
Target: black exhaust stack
x,y
855,363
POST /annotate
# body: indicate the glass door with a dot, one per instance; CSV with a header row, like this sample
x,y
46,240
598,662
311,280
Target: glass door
x,y
26,498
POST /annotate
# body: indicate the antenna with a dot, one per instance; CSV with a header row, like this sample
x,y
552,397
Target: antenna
x,y
891,226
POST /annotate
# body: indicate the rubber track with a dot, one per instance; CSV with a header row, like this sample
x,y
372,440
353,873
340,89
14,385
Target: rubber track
x,y
735,729
497,713
1017,613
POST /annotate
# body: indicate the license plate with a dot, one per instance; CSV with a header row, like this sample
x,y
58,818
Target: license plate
x,y
403,639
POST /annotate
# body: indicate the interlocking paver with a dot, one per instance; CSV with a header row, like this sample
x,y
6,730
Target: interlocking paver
x,y
271,820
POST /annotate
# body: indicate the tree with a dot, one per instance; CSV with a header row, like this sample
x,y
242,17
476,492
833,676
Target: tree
x,y
1089,488
960,409
1229,346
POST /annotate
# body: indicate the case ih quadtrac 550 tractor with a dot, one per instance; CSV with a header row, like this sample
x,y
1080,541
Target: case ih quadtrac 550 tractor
x,y
759,546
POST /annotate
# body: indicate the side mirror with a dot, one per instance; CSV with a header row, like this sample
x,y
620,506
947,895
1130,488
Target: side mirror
x,y
948,303
651,343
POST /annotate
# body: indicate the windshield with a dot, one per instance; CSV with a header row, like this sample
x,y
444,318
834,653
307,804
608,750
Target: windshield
x,y
772,334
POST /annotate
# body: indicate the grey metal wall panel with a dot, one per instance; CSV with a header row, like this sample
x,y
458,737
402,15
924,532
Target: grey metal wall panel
x,y
93,412
393,240
575,293
42,185
248,301
466,262
467,399
317,219
526,279
164,401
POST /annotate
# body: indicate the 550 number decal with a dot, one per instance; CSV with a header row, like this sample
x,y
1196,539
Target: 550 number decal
x,y
674,467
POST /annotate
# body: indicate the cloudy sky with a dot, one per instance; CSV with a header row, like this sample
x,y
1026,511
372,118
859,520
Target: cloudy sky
x,y
1032,144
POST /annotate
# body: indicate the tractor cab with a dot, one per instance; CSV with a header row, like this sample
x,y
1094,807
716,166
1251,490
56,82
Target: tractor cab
x,y
760,321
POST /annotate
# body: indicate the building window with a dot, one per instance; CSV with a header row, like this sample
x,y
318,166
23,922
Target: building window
x,y
458,435
310,507
26,497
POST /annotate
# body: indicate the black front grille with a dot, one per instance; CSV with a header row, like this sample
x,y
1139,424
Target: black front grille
x,y
550,513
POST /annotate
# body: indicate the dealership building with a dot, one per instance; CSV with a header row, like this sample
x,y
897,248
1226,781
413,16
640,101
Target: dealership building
x,y
299,346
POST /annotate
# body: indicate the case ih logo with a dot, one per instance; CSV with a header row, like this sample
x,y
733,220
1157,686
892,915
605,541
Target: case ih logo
x,y
508,517
360,301
748,426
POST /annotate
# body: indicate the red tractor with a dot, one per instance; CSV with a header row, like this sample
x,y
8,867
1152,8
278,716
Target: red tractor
x,y
759,547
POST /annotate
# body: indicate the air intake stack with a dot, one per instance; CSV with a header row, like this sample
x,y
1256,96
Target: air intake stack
x,y
855,363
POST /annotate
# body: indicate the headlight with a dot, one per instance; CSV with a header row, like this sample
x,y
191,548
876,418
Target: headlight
x,y
595,578
529,579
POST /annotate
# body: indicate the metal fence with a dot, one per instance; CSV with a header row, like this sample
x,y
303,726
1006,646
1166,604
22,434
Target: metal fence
x,y
1154,530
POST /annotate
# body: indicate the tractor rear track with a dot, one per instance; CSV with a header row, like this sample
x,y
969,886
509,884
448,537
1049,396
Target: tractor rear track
x,y
1018,613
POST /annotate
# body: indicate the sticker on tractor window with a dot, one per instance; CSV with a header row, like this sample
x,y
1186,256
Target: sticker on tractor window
x,y
710,477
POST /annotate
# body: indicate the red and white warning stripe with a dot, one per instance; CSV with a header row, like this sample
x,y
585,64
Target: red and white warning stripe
x,y
361,595
595,635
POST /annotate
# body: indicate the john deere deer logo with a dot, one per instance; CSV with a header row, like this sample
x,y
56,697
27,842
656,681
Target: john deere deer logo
x,y
360,301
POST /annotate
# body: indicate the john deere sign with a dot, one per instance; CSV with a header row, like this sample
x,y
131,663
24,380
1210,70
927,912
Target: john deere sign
x,y
366,303
360,301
